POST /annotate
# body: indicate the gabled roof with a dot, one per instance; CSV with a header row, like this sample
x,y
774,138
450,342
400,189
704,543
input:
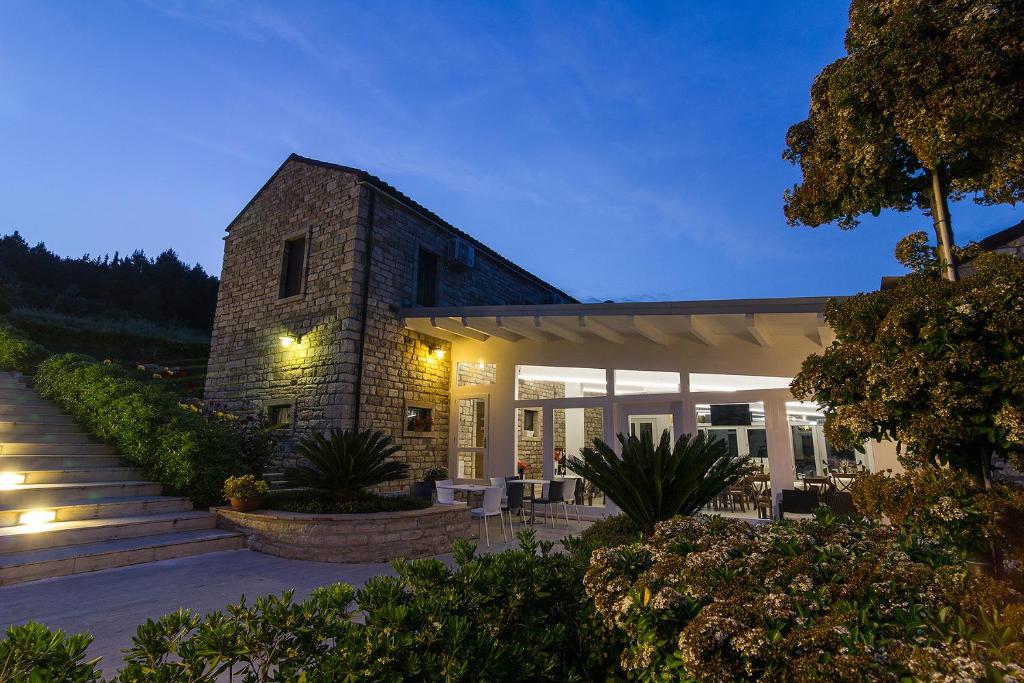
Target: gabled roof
x,y
999,239
394,193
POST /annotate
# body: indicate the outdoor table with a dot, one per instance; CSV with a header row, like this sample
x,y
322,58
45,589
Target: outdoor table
x,y
533,494
468,489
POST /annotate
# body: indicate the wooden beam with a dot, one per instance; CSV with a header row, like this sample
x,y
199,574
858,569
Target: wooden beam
x,y
458,328
755,328
699,331
491,327
549,325
650,330
522,329
423,326
600,329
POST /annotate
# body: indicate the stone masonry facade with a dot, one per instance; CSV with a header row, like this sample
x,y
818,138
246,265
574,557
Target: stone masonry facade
x,y
250,370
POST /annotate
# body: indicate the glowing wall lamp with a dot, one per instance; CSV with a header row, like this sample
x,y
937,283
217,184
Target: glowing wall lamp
x,y
437,352
8,480
288,340
32,517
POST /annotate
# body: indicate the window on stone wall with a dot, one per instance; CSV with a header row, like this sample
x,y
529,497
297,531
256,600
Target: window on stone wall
x,y
280,416
476,374
293,267
531,418
419,419
426,278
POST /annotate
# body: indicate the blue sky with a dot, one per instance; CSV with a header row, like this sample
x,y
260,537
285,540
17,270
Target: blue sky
x,y
622,151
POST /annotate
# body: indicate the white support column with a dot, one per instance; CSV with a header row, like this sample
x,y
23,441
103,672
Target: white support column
x,y
780,449
549,442
612,412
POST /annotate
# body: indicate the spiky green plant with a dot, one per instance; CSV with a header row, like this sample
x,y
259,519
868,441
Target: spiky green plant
x,y
347,462
653,483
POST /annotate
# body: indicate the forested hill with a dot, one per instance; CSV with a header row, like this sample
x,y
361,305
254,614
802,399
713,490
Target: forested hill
x,y
163,289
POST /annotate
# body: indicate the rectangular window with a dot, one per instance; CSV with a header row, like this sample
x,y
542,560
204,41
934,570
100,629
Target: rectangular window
x,y
280,416
476,374
426,278
293,267
419,419
530,422
541,382
646,382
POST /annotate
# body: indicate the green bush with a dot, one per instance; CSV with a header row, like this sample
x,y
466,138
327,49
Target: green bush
x,y
826,599
316,502
345,462
176,444
32,652
611,531
520,615
18,352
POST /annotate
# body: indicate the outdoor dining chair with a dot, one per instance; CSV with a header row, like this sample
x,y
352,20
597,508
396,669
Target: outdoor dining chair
x,y
570,497
554,496
491,508
514,504
446,494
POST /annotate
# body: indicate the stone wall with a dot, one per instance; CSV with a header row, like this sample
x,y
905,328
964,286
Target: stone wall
x,y
250,371
374,537
530,449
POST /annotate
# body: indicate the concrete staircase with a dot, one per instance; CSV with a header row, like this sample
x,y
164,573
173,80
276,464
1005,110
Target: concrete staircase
x,y
104,515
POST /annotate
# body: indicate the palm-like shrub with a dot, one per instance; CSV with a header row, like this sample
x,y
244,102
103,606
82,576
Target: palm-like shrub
x,y
347,462
653,483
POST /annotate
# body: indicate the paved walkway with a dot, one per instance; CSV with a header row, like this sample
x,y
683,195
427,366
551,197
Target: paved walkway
x,y
112,603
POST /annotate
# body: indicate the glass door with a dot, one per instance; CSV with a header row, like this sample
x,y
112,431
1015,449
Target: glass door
x,y
471,438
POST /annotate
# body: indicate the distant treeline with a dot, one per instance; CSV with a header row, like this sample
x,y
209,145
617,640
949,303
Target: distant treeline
x,y
163,289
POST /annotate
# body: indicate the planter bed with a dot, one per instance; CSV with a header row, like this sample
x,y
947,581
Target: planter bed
x,y
365,537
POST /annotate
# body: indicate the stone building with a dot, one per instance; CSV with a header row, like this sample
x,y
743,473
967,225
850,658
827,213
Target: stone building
x,y
307,331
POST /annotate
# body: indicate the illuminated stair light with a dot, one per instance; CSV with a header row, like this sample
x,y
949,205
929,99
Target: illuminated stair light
x,y
8,480
35,517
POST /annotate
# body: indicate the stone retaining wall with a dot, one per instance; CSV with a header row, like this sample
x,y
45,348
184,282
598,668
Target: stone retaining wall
x,y
372,537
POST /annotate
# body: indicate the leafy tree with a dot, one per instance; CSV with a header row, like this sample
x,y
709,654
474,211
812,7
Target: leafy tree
x,y
346,462
654,483
934,365
926,106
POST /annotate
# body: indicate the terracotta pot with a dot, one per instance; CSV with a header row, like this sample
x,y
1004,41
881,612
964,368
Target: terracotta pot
x,y
245,504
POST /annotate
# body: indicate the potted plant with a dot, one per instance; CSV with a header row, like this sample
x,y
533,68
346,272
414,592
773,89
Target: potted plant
x,y
425,489
245,492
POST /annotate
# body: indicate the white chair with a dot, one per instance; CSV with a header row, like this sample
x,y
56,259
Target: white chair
x,y
446,494
491,508
500,483
569,495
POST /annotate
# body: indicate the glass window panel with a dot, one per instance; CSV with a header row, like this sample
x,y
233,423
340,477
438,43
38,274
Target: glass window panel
x,y
545,382
475,374
470,465
529,442
646,382
472,423
574,430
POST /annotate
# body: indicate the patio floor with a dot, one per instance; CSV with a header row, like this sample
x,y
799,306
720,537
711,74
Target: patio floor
x,y
112,603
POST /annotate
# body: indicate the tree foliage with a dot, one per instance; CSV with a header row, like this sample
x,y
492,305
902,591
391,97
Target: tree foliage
x,y
654,483
927,88
164,288
936,366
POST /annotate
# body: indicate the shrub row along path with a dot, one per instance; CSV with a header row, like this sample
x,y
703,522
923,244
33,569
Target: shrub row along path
x,y
106,515
111,604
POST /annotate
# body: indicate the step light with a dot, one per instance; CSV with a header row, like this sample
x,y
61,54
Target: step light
x,y
33,517
8,480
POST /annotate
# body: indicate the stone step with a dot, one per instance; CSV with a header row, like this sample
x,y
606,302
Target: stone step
x,y
74,475
26,398
127,506
21,463
27,412
52,495
12,391
21,538
29,435
36,448
41,564
53,425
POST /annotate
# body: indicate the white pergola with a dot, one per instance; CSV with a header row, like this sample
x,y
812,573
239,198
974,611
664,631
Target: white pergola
x,y
748,338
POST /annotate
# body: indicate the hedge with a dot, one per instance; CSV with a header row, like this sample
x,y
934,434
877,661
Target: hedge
x,y
176,444
18,352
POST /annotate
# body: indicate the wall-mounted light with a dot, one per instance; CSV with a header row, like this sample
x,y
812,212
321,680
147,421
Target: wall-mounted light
x,y
8,480
288,339
32,517
437,352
